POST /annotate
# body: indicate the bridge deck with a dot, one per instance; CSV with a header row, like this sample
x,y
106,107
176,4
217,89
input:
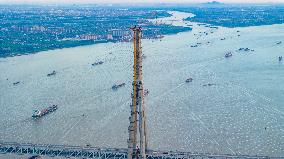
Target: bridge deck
x,y
107,153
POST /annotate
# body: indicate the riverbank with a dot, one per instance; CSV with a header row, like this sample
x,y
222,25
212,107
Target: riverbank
x,y
236,15
68,26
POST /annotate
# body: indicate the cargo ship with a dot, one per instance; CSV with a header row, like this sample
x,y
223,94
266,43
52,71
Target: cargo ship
x,y
189,80
40,113
116,86
229,54
97,63
16,83
53,73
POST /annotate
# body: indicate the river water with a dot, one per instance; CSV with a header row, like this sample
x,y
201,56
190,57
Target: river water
x,y
242,112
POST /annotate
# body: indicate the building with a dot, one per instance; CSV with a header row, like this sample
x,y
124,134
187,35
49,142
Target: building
x,y
119,33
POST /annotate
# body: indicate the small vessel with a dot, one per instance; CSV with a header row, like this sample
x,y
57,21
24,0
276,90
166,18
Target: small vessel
x,y
51,74
146,92
209,84
229,54
97,63
214,27
223,39
189,80
16,83
245,49
116,86
279,42
35,157
280,58
40,113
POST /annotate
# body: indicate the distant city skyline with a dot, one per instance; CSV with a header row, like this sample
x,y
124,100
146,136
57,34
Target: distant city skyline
x,y
130,1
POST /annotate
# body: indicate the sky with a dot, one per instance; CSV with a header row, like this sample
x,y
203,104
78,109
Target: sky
x,y
133,1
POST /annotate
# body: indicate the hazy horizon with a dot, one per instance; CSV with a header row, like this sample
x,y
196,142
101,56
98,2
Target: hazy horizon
x,y
129,1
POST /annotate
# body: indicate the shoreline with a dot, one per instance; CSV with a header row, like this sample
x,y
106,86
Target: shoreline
x,y
92,43
167,21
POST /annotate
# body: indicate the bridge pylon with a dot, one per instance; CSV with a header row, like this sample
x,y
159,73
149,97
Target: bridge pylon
x,y
137,147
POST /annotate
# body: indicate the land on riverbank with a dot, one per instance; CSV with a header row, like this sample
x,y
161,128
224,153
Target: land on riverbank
x,y
31,29
232,16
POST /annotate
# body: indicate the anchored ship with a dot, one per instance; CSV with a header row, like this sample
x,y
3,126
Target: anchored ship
x,y
116,86
51,74
189,80
229,54
97,63
40,113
